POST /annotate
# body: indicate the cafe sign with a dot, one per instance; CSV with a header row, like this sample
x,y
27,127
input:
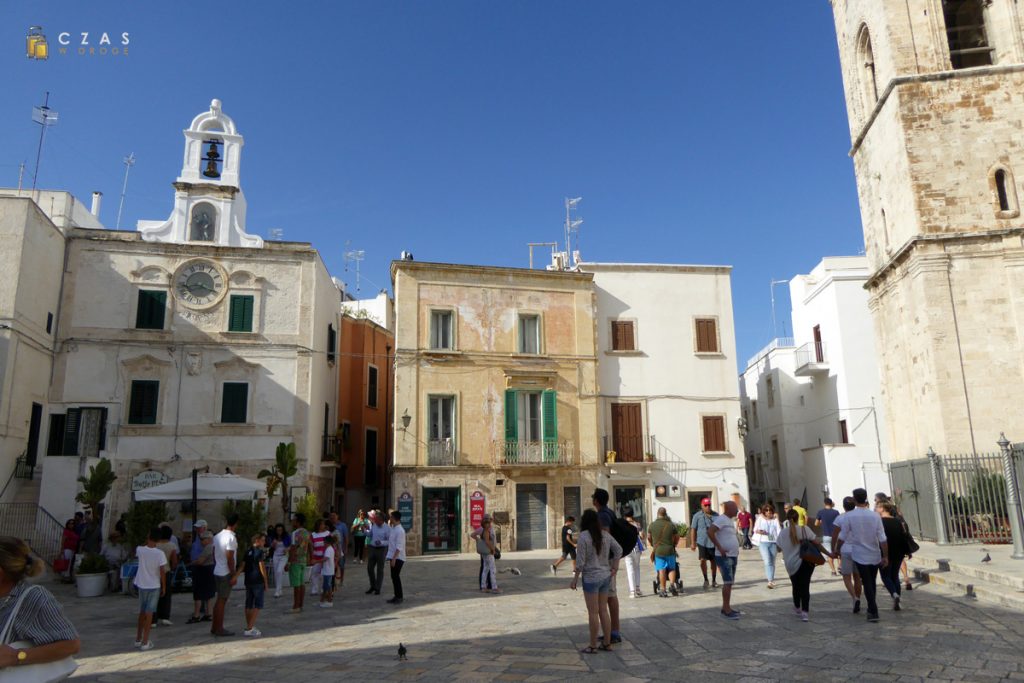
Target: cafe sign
x,y
148,479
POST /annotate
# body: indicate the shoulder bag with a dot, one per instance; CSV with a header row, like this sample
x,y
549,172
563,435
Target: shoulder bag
x,y
47,672
912,546
661,539
809,552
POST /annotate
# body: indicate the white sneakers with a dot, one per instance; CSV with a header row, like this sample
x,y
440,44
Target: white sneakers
x,y
148,645
804,616
252,633
327,604
166,622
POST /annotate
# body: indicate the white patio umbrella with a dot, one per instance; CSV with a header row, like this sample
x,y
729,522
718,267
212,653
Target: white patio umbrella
x,y
207,487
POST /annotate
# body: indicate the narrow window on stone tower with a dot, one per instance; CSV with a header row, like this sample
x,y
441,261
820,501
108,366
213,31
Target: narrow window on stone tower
x,y
203,227
1001,193
965,30
867,76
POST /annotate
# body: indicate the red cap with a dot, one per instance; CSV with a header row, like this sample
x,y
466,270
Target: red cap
x,y
705,501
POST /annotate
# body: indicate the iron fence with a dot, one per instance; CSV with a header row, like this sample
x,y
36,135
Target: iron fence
x,y
35,525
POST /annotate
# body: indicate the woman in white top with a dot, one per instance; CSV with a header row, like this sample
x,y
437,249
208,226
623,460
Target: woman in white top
x,y
597,559
799,569
766,530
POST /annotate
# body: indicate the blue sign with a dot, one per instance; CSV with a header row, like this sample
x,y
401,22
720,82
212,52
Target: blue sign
x,y
405,509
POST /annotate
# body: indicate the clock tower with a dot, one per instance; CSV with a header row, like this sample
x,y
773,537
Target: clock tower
x,y
209,206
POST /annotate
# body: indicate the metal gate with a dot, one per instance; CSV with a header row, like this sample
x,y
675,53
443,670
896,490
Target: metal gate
x,y
913,489
531,516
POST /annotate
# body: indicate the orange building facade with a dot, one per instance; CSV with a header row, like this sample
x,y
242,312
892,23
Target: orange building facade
x,y
363,447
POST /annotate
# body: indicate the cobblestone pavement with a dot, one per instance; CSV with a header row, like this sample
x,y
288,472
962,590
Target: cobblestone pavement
x,y
534,630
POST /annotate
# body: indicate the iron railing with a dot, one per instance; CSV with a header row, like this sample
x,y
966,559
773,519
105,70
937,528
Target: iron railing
x,y
441,453
533,452
975,498
23,469
631,448
777,343
811,353
331,449
35,526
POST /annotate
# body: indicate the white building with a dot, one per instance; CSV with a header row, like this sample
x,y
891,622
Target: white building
x,y
191,343
668,406
32,230
811,404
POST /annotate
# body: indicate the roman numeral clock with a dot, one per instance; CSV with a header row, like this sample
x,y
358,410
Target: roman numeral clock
x,y
200,283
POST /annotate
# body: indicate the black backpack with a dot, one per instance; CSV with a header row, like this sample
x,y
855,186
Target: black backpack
x,y
624,533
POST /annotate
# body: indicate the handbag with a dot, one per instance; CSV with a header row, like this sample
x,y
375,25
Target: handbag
x,y
47,672
810,553
497,553
657,543
912,545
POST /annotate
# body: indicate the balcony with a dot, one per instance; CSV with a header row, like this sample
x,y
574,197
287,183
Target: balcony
x,y
630,448
811,360
441,453
545,453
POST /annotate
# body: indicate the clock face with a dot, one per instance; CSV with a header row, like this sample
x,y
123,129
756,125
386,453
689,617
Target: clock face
x,y
199,284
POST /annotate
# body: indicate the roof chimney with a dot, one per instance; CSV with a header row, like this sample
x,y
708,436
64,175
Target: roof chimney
x,y
97,198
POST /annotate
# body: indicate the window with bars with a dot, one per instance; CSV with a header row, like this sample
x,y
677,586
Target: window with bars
x,y
149,315
234,407
623,335
707,335
966,33
240,313
713,429
142,404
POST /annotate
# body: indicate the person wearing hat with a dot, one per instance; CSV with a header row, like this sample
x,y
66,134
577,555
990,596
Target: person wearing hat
x,y
486,543
197,541
702,544
203,586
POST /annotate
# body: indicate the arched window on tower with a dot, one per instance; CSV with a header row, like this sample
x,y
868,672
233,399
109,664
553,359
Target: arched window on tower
x,y
1001,181
203,226
867,76
965,30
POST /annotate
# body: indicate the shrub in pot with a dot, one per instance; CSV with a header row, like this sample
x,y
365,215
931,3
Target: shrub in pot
x,y
91,578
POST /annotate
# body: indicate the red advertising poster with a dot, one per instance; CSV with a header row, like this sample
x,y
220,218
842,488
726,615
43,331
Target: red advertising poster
x,y
477,505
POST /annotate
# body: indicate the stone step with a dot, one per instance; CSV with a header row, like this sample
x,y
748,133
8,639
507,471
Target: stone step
x,y
976,571
964,585
27,491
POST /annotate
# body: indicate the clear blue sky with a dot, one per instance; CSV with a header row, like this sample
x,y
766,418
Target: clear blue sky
x,y
696,132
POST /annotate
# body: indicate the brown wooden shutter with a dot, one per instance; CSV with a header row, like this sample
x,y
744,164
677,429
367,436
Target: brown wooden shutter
x,y
714,433
707,336
622,336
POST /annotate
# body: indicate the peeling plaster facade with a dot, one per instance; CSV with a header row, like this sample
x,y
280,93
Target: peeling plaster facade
x,y
479,370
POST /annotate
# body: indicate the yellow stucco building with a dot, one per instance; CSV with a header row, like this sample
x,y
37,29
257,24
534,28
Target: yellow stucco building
x,y
495,402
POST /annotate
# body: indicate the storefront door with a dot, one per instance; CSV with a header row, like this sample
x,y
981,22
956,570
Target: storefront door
x,y
632,496
442,517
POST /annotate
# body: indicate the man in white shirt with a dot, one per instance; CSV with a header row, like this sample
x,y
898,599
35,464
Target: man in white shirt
x,y
848,570
722,533
863,535
225,547
377,540
151,580
396,554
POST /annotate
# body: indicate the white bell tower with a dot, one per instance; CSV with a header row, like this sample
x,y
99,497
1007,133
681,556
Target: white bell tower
x,y
209,206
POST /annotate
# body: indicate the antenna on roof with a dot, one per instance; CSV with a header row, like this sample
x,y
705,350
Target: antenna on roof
x,y
571,226
277,234
128,162
355,256
45,117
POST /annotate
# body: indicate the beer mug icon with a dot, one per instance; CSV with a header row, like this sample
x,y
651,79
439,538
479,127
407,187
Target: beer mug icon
x,y
35,44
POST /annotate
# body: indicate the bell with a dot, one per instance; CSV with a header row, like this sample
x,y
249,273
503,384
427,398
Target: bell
x,y
211,169
212,152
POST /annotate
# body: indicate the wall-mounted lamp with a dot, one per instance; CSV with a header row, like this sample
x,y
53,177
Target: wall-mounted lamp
x,y
406,419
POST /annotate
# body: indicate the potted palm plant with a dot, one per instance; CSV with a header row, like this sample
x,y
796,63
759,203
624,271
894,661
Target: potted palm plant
x,y
91,577
285,465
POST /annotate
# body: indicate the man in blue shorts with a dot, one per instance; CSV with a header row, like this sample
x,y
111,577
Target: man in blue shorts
x,y
722,533
662,537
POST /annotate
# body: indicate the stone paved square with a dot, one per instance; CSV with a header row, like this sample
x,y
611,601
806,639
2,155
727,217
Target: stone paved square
x,y
533,632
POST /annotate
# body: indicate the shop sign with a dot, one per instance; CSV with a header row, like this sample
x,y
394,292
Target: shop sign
x,y
405,509
477,507
148,479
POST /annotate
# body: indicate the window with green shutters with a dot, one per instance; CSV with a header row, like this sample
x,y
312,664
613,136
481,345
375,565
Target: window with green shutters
x,y
234,403
143,402
549,412
150,312
531,417
240,314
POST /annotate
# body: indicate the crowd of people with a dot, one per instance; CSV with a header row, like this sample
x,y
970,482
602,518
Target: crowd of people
x,y
862,543
293,559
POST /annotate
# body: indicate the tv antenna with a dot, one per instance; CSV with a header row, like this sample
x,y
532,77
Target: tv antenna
x,y
354,256
571,226
277,234
128,162
45,117
775,330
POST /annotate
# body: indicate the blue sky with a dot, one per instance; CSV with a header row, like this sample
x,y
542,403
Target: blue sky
x,y
695,132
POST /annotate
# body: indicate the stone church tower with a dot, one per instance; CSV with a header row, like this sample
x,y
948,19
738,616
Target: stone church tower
x,y
935,95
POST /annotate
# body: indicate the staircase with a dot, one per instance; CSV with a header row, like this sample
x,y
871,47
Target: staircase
x,y
960,570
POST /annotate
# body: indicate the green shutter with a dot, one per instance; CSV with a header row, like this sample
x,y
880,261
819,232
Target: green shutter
x,y
240,316
234,400
142,403
549,418
149,315
511,416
